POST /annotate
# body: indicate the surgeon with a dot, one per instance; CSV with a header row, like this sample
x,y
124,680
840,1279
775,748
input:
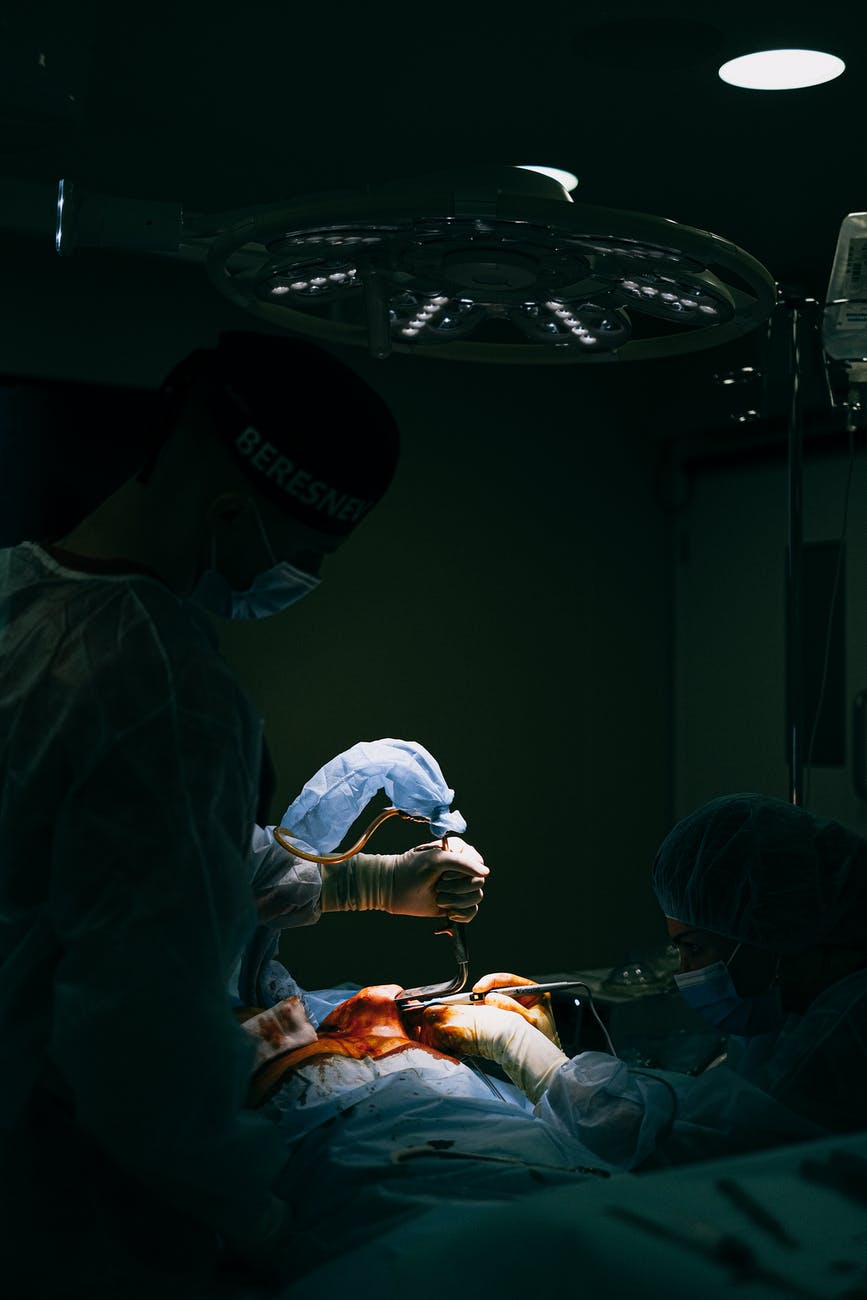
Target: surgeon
x,y
131,838
767,904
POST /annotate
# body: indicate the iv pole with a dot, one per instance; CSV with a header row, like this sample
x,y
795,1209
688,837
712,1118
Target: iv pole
x,y
805,314
800,320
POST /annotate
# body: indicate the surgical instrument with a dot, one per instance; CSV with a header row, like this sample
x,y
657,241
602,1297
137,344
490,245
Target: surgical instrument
x,y
510,990
755,1211
409,999
731,1253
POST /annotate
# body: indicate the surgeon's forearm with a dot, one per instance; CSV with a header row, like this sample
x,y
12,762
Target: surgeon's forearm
x,y
287,889
619,1115
362,883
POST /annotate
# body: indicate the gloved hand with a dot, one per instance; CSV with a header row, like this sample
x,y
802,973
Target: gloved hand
x,y
536,1006
425,881
504,1033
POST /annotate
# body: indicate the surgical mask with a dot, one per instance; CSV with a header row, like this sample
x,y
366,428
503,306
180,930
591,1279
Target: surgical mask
x,y
711,992
270,592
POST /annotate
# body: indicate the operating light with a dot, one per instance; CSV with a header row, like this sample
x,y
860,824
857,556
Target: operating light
x,y
673,298
497,265
568,180
781,69
492,264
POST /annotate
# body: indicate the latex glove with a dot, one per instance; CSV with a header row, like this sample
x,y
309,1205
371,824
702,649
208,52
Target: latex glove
x,y
536,1007
503,1033
425,881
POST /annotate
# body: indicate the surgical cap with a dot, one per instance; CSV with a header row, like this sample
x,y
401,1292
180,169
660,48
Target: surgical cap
x,y
309,433
765,872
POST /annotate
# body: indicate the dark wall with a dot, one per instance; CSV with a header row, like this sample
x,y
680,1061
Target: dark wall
x,y
731,633
506,605
51,430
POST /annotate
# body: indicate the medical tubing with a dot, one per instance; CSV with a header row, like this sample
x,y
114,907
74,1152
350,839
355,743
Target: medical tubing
x,y
331,859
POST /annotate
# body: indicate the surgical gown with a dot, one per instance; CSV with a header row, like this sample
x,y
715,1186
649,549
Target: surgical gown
x,y
130,764
803,1082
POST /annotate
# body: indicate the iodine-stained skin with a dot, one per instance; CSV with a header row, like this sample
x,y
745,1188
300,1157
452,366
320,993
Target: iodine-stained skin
x,y
367,1025
280,1029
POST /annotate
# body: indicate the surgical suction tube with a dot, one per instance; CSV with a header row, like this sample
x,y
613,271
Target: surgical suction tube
x,y
284,839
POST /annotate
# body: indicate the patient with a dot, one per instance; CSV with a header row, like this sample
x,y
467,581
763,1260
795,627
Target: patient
x,y
370,1025
367,1026
381,1125
382,1122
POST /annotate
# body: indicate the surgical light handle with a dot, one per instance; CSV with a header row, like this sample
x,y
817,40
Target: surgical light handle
x,y
284,839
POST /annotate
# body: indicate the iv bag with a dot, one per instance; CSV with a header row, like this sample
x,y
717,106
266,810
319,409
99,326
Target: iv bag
x,y
844,324
333,798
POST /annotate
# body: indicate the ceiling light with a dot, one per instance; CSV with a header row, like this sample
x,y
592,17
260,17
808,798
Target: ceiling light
x,y
568,180
781,69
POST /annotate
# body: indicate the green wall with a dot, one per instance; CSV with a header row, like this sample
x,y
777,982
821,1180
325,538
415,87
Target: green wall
x,y
504,606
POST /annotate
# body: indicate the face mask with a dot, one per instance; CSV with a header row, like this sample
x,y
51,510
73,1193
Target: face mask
x,y
712,993
270,592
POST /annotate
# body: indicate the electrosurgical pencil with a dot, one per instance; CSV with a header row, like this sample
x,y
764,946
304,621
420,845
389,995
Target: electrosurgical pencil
x,y
511,990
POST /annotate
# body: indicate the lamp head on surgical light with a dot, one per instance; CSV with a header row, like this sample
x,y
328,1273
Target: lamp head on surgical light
x,y
497,264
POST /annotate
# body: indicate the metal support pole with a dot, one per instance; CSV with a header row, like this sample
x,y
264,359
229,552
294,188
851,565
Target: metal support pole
x,y
794,571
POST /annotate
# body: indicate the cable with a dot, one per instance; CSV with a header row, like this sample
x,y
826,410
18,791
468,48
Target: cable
x,y
595,1015
471,1063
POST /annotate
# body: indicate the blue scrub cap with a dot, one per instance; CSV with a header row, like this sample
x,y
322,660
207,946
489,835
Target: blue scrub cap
x,y
765,872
